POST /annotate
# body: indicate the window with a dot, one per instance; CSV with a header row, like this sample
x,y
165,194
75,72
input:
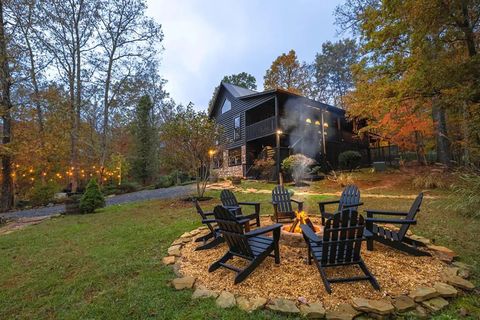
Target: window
x,y
218,161
236,129
235,157
226,105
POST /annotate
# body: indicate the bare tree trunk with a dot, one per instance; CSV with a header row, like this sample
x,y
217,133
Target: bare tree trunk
x,y
443,142
420,148
106,112
6,106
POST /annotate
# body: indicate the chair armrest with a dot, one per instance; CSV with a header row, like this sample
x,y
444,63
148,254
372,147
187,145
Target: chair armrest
x,y
208,221
383,212
208,213
393,221
249,217
263,230
249,203
242,220
308,233
299,203
296,201
328,202
346,206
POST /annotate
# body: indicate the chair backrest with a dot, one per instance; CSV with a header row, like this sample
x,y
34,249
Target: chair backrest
x,y
350,195
414,209
202,215
228,198
342,238
281,196
232,232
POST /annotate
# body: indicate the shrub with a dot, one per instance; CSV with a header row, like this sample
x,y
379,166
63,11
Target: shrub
x,y
464,197
429,181
265,168
343,179
179,177
297,166
42,193
349,159
92,198
128,187
164,182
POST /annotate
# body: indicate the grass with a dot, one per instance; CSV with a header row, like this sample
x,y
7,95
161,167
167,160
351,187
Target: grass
x,y
108,265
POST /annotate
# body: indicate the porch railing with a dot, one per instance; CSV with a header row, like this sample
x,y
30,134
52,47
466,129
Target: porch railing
x,y
260,129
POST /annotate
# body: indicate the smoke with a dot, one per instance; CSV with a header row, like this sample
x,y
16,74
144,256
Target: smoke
x,y
302,122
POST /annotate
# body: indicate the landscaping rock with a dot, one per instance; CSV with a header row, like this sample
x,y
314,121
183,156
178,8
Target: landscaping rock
x,y
202,293
168,260
445,290
452,271
183,283
177,242
464,273
176,270
459,282
225,300
250,305
343,312
403,303
381,307
283,306
443,253
420,312
462,265
423,293
313,310
435,304
421,239
175,251
186,235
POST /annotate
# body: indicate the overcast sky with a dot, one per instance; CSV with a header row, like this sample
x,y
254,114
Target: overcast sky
x,y
207,39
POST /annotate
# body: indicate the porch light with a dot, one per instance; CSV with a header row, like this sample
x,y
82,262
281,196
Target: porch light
x,y
325,125
308,120
279,132
317,123
211,152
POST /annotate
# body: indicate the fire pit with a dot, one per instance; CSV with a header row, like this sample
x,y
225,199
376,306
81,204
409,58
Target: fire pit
x,y
291,234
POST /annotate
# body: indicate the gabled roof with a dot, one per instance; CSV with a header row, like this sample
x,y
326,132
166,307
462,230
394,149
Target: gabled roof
x,y
237,91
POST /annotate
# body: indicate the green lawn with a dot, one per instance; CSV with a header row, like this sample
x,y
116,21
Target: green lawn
x,y
108,265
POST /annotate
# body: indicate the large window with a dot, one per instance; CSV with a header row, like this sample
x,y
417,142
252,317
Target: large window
x,y
236,129
235,157
226,105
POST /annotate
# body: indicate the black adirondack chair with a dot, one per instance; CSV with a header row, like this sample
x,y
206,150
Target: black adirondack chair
x,y
282,204
340,246
213,238
350,198
252,246
230,201
395,239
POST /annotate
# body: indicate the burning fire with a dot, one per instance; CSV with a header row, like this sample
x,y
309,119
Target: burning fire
x,y
301,217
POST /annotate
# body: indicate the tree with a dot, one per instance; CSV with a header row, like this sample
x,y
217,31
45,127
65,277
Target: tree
x,y
332,70
127,38
67,29
287,73
145,136
189,138
419,55
5,112
92,198
242,79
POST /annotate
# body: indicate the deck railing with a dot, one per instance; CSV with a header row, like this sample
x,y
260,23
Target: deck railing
x,y
261,128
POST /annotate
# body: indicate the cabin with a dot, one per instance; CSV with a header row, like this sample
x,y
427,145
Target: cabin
x,y
275,124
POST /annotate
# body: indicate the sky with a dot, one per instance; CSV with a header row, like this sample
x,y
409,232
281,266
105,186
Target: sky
x,y
204,40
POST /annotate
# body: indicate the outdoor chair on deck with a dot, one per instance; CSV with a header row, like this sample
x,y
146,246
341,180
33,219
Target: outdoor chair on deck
x,y
230,202
282,204
340,246
350,199
395,239
252,246
213,238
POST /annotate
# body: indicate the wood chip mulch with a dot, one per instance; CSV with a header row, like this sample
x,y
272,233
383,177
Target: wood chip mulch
x,y
396,272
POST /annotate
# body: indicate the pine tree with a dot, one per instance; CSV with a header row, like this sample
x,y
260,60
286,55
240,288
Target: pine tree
x,y
92,198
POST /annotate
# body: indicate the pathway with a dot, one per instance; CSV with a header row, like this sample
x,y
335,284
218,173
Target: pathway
x,y
167,193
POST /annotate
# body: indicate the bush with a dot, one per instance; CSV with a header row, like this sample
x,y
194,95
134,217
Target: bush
x,y
165,182
349,159
265,168
430,181
297,165
92,199
464,197
42,193
179,177
343,179
128,187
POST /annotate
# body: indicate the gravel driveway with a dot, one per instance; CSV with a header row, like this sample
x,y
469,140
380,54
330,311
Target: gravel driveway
x,y
167,193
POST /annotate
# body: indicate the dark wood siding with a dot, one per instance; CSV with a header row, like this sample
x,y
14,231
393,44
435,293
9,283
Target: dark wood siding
x,y
226,120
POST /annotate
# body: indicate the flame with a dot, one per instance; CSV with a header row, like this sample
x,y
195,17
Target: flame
x,y
301,217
